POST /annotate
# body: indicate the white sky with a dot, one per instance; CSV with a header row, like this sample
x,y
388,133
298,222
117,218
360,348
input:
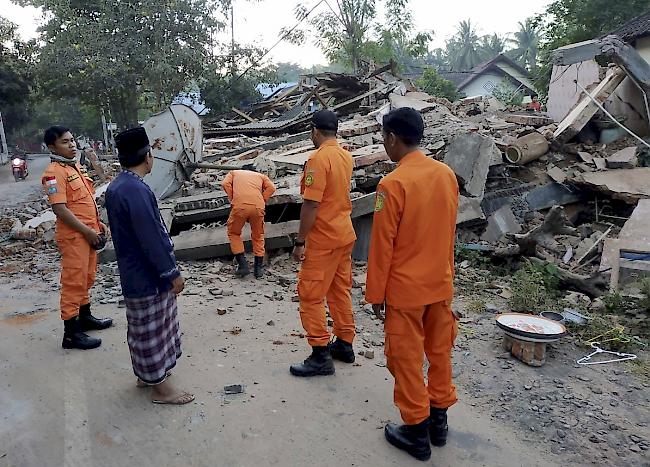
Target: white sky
x,y
260,22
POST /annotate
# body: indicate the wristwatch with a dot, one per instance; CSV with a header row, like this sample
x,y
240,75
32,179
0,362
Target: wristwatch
x,y
297,242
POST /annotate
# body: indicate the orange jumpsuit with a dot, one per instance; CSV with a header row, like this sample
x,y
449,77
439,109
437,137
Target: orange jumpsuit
x,y
248,193
66,184
326,272
411,269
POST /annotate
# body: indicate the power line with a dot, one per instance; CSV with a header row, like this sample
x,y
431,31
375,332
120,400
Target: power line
x,y
283,37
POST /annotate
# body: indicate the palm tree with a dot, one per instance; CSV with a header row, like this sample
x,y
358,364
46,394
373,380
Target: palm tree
x,y
491,46
526,44
463,48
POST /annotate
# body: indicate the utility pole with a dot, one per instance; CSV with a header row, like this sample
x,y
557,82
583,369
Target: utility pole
x,y
4,150
232,42
106,147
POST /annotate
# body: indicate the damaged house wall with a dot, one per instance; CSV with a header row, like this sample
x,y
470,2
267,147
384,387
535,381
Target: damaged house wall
x,y
627,101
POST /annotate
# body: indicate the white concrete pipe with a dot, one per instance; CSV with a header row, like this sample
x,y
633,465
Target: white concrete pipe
x,y
527,149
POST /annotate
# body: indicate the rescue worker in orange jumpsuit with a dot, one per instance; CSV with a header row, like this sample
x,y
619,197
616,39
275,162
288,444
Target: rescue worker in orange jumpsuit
x,y
78,233
411,271
248,192
324,248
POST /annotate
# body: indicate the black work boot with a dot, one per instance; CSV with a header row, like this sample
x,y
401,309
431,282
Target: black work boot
x,y
341,350
438,427
89,322
74,337
258,267
413,439
319,363
242,266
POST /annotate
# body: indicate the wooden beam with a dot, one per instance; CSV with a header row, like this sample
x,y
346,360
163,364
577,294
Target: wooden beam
x,y
243,115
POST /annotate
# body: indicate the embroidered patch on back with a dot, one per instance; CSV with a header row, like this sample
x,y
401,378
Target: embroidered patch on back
x,y
379,202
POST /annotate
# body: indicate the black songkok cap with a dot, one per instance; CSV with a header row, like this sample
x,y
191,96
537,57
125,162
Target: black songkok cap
x,y
325,120
132,145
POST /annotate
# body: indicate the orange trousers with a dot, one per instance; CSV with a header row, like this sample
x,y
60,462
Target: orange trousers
x,y
410,334
78,268
238,217
326,274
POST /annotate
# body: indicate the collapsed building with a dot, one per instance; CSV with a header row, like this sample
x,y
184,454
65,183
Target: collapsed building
x,y
530,186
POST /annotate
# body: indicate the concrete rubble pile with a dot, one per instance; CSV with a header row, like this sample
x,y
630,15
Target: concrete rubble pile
x,y
512,171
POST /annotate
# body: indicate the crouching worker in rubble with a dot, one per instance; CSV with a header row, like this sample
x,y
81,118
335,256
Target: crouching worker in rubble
x,y
148,272
78,234
411,271
248,192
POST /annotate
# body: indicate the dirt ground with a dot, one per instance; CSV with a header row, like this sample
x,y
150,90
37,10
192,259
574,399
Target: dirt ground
x,y
73,408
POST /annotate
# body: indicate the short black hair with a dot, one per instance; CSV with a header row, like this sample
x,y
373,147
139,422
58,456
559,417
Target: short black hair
x,y
406,123
53,133
326,121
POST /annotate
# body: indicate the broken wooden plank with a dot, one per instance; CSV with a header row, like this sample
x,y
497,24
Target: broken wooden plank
x,y
586,108
243,115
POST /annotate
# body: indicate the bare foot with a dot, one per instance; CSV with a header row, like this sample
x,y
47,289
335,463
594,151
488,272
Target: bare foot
x,y
166,393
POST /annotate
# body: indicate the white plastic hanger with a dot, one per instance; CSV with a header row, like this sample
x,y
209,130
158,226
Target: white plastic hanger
x,y
622,356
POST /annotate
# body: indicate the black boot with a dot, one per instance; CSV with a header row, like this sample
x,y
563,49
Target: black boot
x,y
258,267
438,427
319,363
413,439
341,350
74,337
242,266
90,323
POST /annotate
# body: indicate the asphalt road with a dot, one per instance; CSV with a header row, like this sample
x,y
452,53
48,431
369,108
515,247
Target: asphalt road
x,y
12,192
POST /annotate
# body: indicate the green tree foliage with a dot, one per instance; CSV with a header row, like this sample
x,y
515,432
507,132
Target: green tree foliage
x,y
508,93
569,21
349,35
221,90
432,83
526,44
16,79
395,40
114,52
463,49
491,46
342,31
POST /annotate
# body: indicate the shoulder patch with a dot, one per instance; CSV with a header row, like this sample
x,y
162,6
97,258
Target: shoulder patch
x,y
380,201
309,179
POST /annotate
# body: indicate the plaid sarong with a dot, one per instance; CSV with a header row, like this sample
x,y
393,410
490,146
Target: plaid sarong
x,y
153,335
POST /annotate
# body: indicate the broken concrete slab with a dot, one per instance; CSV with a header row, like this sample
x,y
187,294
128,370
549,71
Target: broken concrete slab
x,y
556,173
635,229
293,160
551,194
578,118
501,222
600,163
469,211
529,119
46,216
623,159
470,156
368,155
397,102
585,156
629,185
358,127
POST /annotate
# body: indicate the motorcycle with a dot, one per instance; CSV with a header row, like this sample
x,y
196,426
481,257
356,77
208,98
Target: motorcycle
x,y
19,168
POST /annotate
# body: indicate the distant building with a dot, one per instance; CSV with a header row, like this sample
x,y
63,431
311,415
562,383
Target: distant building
x,y
483,79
